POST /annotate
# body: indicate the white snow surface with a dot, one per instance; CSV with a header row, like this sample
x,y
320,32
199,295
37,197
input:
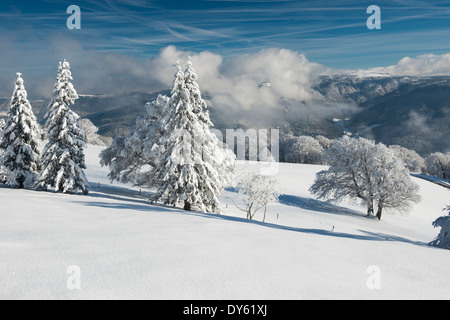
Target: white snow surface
x,y
126,248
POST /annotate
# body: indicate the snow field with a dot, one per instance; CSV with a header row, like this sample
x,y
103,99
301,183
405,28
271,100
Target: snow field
x,y
126,248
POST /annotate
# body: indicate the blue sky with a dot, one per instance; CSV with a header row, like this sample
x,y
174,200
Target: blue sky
x,y
33,34
333,33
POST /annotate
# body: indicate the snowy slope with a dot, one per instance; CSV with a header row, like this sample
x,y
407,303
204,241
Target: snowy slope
x,y
126,248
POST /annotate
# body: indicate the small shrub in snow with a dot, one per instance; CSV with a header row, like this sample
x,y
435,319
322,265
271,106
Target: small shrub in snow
x,y
257,191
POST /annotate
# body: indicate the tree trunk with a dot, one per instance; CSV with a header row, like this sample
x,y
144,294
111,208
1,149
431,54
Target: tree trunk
x,y
370,207
380,211
21,182
249,212
187,206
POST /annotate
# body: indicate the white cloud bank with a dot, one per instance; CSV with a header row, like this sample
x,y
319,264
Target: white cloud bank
x,y
238,80
255,80
423,65
259,79
235,82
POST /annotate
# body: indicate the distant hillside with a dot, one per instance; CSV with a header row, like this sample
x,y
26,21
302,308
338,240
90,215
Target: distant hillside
x,y
355,89
410,111
114,115
415,117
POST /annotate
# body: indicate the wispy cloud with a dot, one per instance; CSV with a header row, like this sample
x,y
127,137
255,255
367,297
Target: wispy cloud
x,y
333,34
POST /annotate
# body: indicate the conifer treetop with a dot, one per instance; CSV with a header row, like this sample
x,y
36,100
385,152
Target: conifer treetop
x,y
64,92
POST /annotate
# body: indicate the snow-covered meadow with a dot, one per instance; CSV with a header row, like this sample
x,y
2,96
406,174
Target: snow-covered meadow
x,y
121,247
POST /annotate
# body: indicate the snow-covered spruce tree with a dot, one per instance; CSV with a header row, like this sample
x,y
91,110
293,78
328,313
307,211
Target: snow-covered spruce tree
x,y
133,158
215,152
20,140
443,238
63,160
361,169
191,166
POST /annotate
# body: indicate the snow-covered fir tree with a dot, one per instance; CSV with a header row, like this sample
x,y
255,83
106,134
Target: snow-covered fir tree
x,y
63,160
193,166
443,238
220,156
20,140
361,169
195,96
133,158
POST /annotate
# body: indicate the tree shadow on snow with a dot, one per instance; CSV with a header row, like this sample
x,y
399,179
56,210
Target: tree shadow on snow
x,y
129,199
389,237
135,200
313,205
366,235
317,205
128,206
